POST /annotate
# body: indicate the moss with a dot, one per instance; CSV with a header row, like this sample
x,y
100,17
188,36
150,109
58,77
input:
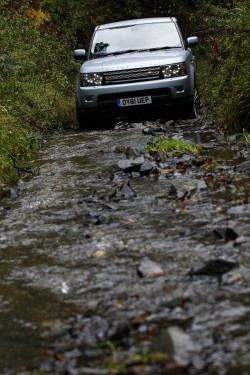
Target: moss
x,y
171,145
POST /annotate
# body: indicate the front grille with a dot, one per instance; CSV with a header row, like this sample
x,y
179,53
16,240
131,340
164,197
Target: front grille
x,y
131,75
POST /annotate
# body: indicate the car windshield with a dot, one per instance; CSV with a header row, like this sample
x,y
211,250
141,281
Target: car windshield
x,y
150,36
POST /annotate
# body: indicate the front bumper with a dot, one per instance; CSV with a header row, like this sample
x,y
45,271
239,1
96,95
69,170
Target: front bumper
x,y
163,92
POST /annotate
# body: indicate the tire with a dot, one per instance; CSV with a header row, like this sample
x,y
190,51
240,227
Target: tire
x,y
192,109
196,103
83,118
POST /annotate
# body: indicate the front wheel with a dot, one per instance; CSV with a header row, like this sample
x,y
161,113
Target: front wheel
x,y
196,103
192,109
83,118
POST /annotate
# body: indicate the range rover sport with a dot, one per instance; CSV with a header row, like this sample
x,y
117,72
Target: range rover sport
x,y
136,65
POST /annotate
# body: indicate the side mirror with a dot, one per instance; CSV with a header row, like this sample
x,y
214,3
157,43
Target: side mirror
x,y
79,54
192,41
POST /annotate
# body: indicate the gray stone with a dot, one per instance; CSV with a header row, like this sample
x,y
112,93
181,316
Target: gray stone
x,y
201,186
131,165
170,123
181,187
131,152
227,234
214,267
147,167
243,209
148,268
175,342
124,191
244,167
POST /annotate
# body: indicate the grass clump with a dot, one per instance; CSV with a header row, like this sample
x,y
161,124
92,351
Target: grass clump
x,y
171,145
245,137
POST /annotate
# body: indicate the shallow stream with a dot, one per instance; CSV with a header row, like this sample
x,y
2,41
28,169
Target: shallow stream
x,y
69,257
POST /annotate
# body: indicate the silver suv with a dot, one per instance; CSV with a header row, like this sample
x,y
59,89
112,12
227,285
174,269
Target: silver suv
x,y
132,66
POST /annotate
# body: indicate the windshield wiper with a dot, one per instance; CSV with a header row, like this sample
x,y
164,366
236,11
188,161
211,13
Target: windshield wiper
x,y
133,50
119,52
159,48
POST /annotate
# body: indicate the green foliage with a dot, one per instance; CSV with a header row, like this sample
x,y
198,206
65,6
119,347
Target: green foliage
x,y
170,145
224,69
35,71
16,145
245,137
36,82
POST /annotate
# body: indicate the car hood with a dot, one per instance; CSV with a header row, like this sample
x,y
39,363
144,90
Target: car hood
x,y
134,60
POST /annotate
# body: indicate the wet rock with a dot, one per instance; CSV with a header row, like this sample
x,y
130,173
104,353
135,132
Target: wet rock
x,y
240,240
214,267
243,209
100,254
180,188
148,168
232,138
154,130
135,174
177,344
227,234
201,186
209,146
148,268
119,149
131,165
122,125
131,152
170,123
93,371
119,330
95,330
124,191
103,219
233,278
244,167
13,193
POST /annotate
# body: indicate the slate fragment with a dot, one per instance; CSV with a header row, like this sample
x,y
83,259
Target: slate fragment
x,y
177,344
244,167
213,267
131,152
131,165
227,234
183,187
148,268
124,191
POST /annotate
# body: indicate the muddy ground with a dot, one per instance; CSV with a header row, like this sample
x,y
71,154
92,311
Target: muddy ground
x,y
118,261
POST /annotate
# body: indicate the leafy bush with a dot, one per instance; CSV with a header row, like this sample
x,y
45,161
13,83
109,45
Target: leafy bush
x,y
36,82
16,144
224,62
35,71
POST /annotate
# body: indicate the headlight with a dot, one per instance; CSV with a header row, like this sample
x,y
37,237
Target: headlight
x,y
174,70
90,79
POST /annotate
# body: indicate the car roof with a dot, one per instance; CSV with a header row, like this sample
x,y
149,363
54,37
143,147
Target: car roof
x,y
135,22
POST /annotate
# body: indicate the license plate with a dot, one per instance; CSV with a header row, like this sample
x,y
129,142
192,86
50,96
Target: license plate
x,y
128,102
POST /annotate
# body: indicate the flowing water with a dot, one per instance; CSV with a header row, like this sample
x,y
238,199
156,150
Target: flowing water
x,y
67,249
